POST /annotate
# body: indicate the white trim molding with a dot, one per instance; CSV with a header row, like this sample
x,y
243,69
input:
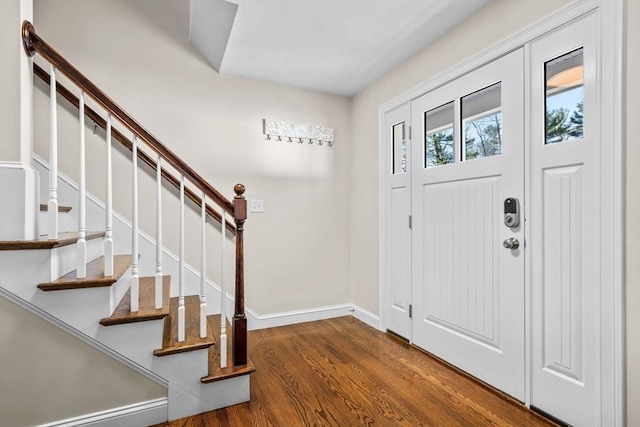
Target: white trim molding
x,y
262,321
143,413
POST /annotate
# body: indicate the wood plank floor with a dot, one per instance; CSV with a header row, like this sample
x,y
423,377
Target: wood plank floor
x,y
341,372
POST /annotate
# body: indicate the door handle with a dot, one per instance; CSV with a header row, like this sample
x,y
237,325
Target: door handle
x,y
511,243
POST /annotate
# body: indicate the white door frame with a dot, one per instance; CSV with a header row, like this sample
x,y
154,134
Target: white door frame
x,y
611,98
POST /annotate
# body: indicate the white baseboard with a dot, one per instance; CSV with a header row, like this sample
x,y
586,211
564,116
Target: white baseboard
x,y
138,414
366,316
257,321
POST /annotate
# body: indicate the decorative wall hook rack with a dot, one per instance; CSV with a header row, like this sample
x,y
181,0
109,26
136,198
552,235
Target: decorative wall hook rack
x,y
278,130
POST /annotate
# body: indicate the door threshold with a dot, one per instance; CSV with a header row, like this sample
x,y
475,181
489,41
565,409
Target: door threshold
x,y
549,417
400,337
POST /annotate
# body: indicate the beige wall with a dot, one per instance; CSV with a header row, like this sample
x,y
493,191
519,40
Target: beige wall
x,y
472,36
50,375
9,77
297,252
633,212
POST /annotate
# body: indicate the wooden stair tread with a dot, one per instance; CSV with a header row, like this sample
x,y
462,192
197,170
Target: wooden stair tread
x,y
45,208
63,239
170,344
146,310
95,275
216,373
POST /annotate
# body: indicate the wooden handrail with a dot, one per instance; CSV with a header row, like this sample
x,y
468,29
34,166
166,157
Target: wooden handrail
x,y
34,44
126,142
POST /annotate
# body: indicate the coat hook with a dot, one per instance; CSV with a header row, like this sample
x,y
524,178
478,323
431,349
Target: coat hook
x,y
95,127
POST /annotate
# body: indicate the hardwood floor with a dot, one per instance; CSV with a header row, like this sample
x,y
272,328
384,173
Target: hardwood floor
x,y
341,372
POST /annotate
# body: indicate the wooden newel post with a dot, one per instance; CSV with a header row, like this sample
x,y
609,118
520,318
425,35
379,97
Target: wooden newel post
x,y
239,318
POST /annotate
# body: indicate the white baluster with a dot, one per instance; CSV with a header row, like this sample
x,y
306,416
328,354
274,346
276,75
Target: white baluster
x,y
108,241
203,271
135,292
159,286
223,294
181,313
81,252
52,204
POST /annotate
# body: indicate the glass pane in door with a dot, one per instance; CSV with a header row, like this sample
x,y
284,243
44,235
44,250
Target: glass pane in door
x,y
438,146
564,83
399,149
482,122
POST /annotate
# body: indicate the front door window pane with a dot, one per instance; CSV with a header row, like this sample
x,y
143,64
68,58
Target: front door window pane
x,y
482,122
439,136
564,77
399,149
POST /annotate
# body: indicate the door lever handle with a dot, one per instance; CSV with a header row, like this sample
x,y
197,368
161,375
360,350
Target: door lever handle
x,y
511,243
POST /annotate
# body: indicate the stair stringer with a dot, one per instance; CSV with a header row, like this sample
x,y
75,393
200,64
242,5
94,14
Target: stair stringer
x,y
82,309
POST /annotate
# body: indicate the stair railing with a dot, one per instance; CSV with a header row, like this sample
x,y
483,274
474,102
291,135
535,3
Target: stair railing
x,y
237,208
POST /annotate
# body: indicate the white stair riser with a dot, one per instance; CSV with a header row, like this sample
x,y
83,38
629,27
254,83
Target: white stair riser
x,y
63,259
147,337
210,397
80,308
64,222
118,290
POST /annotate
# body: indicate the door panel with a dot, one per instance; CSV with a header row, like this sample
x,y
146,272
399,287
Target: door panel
x,y
398,209
468,290
463,270
565,227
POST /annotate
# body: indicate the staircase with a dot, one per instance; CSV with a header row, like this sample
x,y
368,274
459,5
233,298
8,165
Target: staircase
x,y
143,303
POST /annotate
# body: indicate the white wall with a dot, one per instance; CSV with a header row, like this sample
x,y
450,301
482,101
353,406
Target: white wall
x,y
49,375
297,252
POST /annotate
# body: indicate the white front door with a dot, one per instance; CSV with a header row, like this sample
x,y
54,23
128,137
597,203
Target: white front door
x,y
398,208
467,169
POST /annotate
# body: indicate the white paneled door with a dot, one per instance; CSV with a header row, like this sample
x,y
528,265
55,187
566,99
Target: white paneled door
x,y
467,261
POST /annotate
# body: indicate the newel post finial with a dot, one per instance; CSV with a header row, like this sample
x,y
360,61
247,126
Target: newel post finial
x,y
239,318
239,190
27,38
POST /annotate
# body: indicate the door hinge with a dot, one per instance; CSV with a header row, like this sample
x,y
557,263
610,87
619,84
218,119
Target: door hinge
x,y
410,311
410,222
409,131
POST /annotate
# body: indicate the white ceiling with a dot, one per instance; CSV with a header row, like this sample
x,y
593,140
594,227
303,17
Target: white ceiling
x,y
333,46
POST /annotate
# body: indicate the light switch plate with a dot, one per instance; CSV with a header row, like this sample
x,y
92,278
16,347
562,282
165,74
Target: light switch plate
x,y
256,206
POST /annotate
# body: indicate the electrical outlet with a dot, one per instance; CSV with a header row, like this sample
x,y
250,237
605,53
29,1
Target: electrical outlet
x,y
257,206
